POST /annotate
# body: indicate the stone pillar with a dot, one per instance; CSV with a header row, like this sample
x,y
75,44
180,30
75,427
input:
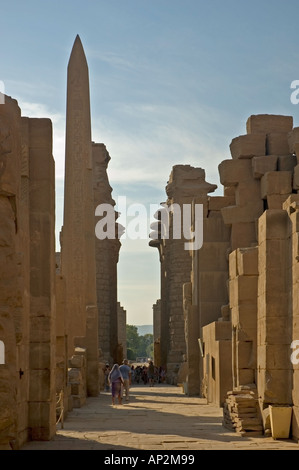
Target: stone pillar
x,y
209,277
12,383
291,206
42,391
106,252
274,368
243,282
185,184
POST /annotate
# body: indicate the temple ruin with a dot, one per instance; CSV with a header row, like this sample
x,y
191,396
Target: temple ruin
x,y
227,318
58,310
239,291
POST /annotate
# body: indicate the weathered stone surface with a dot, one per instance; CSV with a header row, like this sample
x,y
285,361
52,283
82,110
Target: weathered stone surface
x,y
276,182
248,146
293,139
267,123
277,143
263,164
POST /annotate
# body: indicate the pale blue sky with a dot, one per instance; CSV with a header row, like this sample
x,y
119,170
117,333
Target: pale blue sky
x,y
171,81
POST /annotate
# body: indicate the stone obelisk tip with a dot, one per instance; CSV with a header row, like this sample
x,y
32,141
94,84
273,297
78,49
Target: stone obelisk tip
x,y
78,51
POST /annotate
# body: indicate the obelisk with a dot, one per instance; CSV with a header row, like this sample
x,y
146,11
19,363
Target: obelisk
x,y
78,263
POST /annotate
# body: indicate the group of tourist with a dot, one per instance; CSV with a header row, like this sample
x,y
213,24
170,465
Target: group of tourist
x,y
148,374
119,379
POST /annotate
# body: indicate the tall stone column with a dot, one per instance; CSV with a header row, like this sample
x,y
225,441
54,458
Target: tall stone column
x,y
274,322
185,184
42,390
10,321
106,251
78,239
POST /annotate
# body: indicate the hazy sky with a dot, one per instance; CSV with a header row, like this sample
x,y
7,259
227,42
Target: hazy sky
x,y
171,82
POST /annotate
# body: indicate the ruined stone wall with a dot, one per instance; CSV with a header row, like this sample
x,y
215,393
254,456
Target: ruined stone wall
x,y
11,322
27,290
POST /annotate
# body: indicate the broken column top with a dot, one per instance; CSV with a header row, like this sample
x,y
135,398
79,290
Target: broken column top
x,y
267,123
186,180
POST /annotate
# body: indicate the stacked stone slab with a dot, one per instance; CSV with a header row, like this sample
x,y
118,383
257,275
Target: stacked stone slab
x,y
27,278
241,413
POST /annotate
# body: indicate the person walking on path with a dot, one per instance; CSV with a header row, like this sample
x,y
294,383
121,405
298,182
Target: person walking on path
x,y
126,372
151,374
106,375
116,381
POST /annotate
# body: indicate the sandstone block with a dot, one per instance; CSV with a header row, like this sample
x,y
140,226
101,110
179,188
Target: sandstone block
x,y
212,256
41,385
242,214
276,182
272,304
286,162
243,290
273,279
263,164
275,386
274,330
277,143
267,123
215,203
247,259
233,266
245,376
41,355
273,224
248,334
245,355
243,235
40,134
248,191
274,356
214,230
213,286
233,171
248,146
223,330
296,178
293,139
275,201
245,316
